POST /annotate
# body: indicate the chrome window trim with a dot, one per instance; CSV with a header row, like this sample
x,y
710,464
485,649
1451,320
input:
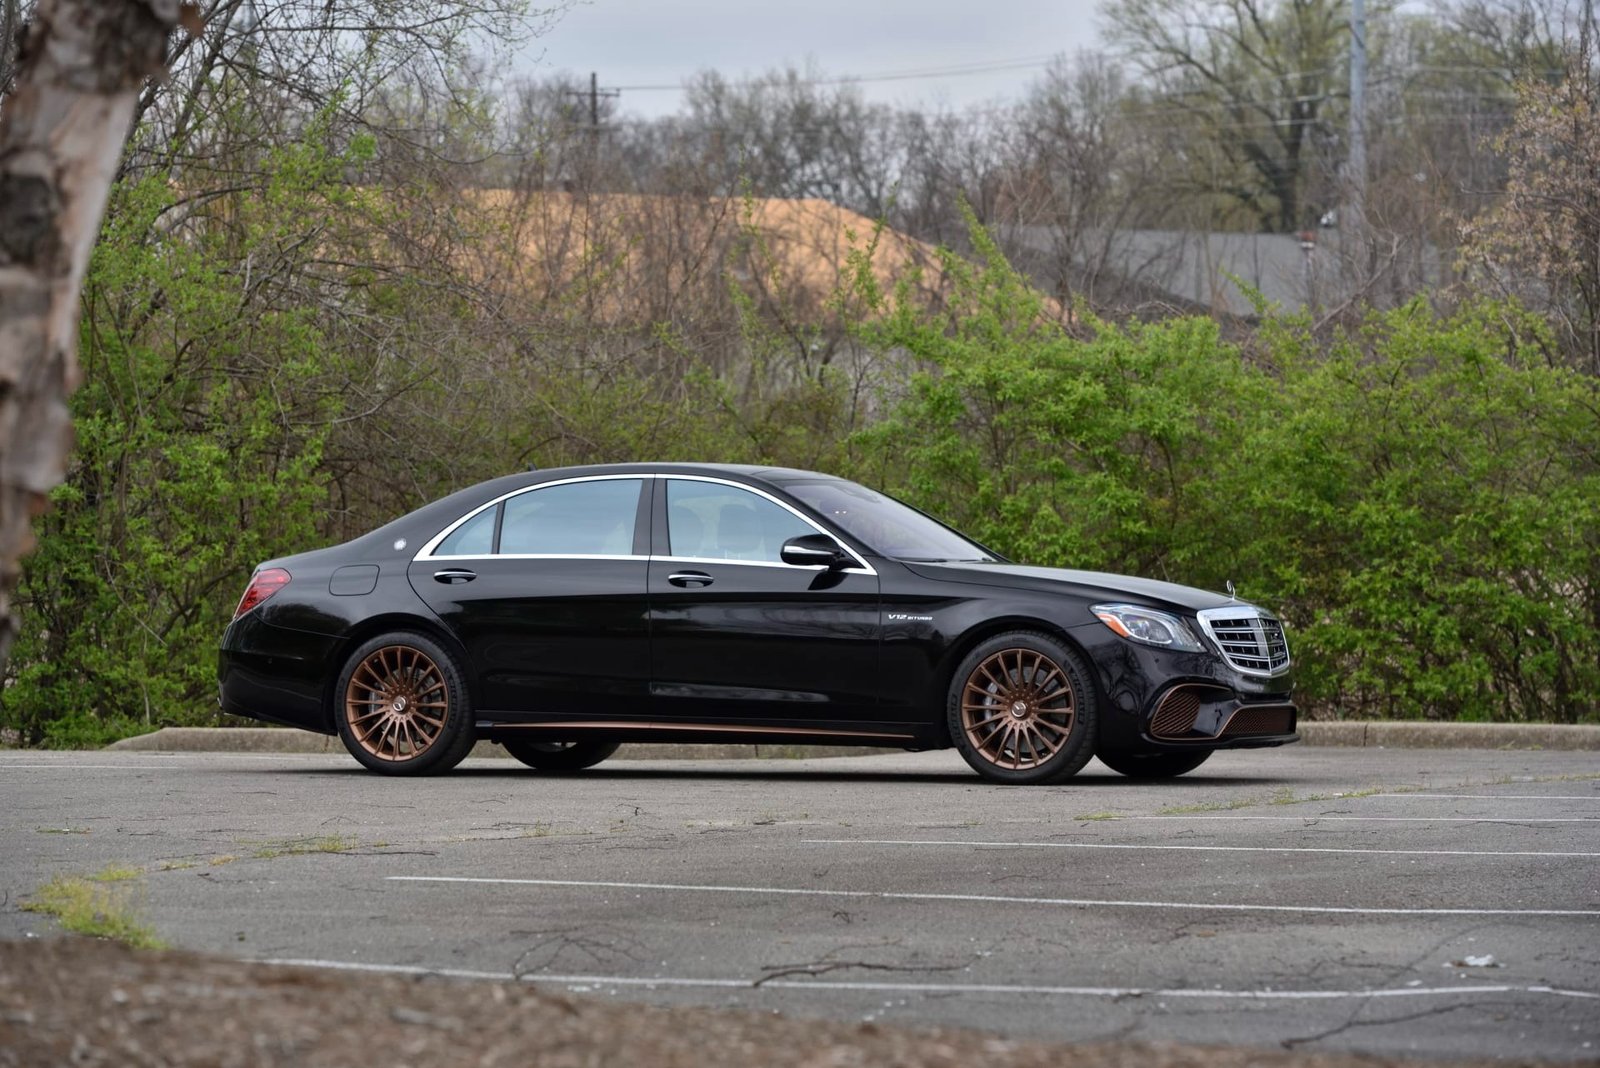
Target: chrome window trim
x,y
426,552
719,561
540,556
1246,611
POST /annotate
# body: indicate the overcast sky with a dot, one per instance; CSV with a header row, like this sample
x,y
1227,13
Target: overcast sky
x,y
638,43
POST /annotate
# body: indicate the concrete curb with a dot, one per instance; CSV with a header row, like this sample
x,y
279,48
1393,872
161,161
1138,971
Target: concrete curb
x,y
1387,735
1407,735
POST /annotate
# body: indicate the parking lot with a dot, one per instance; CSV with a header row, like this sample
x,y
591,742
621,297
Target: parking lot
x,y
1441,903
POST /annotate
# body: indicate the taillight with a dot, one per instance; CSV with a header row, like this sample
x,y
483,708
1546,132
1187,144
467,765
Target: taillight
x,y
263,584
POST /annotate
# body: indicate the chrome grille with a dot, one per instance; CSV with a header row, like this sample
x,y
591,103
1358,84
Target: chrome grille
x,y
1248,638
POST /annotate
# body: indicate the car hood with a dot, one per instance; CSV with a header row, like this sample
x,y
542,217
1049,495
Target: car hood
x,y
1091,585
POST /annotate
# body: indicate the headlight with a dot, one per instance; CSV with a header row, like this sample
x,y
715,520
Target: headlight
x,y
1148,626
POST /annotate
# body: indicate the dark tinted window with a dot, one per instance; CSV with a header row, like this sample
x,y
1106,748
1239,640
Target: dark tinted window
x,y
578,519
717,522
475,537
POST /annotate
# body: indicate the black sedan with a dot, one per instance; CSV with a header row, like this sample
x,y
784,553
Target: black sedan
x,y
564,612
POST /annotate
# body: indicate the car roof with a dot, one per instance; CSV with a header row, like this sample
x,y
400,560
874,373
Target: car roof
x,y
761,471
441,511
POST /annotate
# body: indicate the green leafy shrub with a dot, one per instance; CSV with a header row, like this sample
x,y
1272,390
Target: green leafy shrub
x,y
1421,501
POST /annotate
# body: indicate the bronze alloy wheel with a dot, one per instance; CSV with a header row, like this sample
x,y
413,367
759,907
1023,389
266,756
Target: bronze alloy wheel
x,y
401,707
1017,708
396,703
1021,709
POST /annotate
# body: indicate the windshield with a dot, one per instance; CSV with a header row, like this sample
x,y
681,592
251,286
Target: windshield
x,y
889,527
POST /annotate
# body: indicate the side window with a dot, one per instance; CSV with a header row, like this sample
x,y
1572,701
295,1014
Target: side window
x,y
475,537
579,519
719,522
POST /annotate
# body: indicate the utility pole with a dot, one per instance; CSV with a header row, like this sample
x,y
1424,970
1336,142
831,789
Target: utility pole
x,y
1585,40
594,94
1357,162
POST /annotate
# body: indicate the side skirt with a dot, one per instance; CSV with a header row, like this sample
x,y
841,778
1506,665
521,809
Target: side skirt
x,y
895,736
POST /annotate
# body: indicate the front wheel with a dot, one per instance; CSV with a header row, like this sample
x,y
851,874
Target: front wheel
x,y
1022,709
561,756
1154,765
402,707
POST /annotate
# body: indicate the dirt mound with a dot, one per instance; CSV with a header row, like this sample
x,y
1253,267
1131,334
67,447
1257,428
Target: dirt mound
x,y
82,1002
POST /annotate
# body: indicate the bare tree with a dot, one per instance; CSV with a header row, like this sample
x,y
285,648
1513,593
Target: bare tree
x,y
1252,82
1541,241
61,134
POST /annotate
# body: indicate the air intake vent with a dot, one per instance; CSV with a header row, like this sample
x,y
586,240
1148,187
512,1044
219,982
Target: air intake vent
x,y
1271,719
1174,717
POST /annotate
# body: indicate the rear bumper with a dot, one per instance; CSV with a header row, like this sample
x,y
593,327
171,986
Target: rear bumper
x,y
275,675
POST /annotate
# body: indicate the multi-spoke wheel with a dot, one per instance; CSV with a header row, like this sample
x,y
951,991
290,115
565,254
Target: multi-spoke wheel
x,y
401,707
1154,765
560,756
1022,709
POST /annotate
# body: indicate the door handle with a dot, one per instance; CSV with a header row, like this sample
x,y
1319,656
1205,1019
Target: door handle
x,y
689,579
454,574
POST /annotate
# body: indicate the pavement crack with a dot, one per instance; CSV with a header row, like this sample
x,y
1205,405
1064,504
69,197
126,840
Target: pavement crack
x,y
824,967
1353,1022
546,953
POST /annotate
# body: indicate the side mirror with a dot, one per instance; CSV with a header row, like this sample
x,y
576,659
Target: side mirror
x,y
809,550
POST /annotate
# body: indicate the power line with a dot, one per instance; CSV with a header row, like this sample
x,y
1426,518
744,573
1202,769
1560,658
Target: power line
x,y
959,70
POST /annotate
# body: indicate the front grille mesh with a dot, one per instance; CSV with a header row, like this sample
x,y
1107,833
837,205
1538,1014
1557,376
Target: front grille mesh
x,y
1174,717
1273,719
1251,643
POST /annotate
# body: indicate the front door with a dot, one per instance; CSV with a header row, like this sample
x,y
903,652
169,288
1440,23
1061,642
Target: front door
x,y
547,592
737,633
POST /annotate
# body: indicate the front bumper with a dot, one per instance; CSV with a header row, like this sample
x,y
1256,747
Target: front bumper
x,y
1161,700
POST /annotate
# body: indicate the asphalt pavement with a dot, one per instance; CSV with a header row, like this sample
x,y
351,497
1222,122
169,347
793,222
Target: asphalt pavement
x,y
1434,902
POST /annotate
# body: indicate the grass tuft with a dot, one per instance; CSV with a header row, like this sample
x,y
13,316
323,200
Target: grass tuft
x,y
95,907
293,847
112,873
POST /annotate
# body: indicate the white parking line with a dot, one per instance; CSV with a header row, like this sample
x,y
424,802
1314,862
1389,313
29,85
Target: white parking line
x,y
1367,819
1192,848
6,765
936,988
890,895
1501,797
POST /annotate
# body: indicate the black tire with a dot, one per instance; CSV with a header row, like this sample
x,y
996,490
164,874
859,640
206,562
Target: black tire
x,y
1022,709
401,706
560,756
1154,765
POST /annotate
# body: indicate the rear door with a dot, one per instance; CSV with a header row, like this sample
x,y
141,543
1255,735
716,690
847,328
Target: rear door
x,y
546,590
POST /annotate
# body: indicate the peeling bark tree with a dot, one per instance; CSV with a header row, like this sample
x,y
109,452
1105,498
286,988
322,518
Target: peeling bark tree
x,y
61,133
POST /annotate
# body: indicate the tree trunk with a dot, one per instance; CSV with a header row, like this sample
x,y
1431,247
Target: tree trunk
x,y
61,133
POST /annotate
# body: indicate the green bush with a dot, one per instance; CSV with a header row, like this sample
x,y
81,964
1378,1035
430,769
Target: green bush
x,y
1421,501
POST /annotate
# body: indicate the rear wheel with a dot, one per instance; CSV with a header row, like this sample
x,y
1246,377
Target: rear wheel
x,y
402,706
561,756
1154,765
1021,709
